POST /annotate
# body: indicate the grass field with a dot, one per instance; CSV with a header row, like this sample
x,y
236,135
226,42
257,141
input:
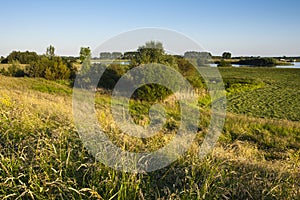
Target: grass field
x,y
257,156
279,97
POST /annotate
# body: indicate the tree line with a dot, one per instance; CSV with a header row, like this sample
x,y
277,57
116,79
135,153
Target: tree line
x,y
53,67
148,54
48,65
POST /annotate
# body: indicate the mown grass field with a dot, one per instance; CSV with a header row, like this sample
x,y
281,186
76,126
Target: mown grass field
x,y
257,156
278,95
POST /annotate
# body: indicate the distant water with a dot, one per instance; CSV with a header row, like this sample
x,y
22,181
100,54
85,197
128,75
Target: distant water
x,y
295,65
110,62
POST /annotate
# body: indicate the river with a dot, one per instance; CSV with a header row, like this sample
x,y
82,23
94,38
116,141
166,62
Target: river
x,y
296,65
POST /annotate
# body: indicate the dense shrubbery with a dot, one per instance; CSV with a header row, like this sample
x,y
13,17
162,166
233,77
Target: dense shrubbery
x,y
153,52
49,68
224,63
150,53
13,70
22,57
152,92
52,67
111,76
268,62
31,64
201,59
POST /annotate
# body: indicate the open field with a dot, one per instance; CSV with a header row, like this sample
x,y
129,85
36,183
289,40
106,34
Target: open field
x,y
257,156
278,94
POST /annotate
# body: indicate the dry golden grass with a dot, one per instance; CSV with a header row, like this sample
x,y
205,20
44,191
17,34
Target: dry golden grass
x,y
42,157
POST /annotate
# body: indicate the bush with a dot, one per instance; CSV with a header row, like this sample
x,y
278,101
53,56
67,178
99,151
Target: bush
x,y
22,57
268,62
57,70
224,63
49,68
111,76
152,92
14,70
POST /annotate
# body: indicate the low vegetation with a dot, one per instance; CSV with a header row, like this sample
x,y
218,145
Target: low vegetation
x,y
42,156
269,93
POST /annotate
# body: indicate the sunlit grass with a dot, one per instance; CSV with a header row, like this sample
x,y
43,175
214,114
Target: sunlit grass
x,y
42,156
275,92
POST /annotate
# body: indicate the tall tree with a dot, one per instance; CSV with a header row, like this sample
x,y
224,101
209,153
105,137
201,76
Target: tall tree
x,y
85,58
153,45
85,54
50,51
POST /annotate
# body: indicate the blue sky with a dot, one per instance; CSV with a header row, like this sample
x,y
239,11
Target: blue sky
x,y
257,27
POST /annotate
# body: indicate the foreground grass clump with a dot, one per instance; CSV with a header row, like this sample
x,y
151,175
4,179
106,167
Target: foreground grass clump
x,y
42,156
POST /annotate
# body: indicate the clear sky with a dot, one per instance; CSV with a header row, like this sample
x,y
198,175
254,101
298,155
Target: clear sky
x,y
253,27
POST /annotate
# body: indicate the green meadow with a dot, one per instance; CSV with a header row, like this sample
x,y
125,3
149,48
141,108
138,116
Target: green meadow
x,y
256,157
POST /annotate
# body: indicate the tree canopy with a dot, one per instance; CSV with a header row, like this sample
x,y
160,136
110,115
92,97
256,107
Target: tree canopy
x,y
269,62
85,54
50,51
23,57
226,55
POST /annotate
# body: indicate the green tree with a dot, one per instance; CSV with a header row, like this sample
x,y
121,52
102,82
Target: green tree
x,y
87,70
14,70
51,69
226,55
50,51
197,54
38,67
116,55
151,52
57,69
198,58
105,55
130,55
85,54
154,45
23,57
